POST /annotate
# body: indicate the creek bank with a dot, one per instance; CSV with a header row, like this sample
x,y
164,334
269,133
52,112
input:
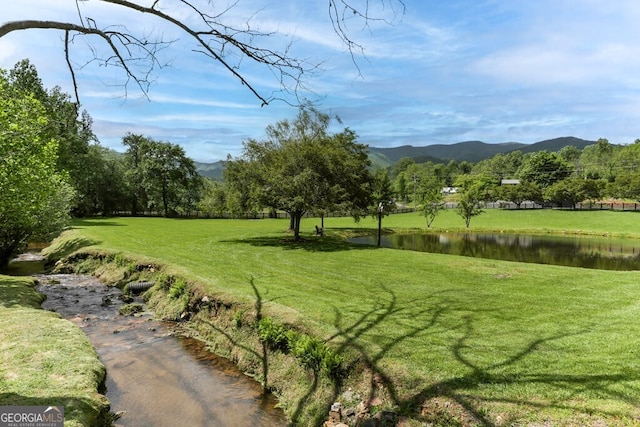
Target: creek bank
x,y
297,374
46,360
153,377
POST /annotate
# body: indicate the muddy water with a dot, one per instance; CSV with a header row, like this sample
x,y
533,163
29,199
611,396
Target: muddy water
x,y
154,378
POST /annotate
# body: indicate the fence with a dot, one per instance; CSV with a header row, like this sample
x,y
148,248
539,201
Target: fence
x,y
589,206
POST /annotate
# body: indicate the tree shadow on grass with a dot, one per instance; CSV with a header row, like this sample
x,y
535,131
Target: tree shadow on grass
x,y
348,336
262,355
311,244
95,222
461,390
459,399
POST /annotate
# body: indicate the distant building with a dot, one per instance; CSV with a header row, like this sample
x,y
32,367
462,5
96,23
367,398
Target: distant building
x,y
510,182
449,190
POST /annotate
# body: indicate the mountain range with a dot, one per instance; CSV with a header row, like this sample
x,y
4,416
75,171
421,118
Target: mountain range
x,y
470,151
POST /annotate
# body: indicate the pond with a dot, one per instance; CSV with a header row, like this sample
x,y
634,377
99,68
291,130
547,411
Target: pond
x,y
575,251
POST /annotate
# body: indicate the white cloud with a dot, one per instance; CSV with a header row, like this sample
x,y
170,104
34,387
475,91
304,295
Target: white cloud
x,y
493,70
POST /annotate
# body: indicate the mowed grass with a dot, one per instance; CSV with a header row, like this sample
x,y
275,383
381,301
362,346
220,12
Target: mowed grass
x,y
46,360
506,342
622,224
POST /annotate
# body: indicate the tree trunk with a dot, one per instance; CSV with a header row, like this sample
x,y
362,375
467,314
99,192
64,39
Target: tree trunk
x,y
165,202
296,226
134,205
379,228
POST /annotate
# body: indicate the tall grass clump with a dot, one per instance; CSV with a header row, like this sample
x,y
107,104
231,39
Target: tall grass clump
x,y
311,352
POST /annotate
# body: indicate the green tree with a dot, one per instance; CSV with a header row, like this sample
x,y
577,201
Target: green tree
x,y
432,204
572,156
71,131
500,166
471,193
134,172
35,198
400,185
163,174
600,160
626,161
520,193
214,198
626,186
544,168
383,201
570,191
300,168
240,177
400,166
107,184
103,189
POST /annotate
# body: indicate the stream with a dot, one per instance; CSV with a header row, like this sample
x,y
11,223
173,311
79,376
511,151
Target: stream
x,y
153,377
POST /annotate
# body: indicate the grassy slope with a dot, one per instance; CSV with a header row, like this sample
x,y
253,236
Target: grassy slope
x,y
503,340
45,360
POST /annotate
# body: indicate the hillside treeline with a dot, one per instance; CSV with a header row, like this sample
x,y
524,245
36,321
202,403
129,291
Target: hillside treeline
x,y
563,178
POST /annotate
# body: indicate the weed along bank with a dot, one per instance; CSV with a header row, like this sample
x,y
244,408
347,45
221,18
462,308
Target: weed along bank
x,y
343,333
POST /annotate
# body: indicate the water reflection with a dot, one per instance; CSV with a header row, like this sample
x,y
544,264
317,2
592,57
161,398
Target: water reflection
x,y
26,264
588,252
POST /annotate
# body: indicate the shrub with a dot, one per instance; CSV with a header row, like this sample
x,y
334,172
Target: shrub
x,y
273,334
177,289
163,281
311,352
238,317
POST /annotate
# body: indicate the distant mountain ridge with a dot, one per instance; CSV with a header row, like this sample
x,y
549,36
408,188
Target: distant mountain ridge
x,y
211,170
470,151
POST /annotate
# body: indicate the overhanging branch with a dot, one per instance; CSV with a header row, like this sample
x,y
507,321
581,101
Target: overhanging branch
x,y
211,36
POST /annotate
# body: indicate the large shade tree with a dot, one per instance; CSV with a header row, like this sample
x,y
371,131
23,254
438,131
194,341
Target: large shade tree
x,y
519,193
301,167
160,175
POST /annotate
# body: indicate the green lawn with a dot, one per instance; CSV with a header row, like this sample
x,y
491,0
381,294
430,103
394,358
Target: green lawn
x,y
506,342
623,224
45,360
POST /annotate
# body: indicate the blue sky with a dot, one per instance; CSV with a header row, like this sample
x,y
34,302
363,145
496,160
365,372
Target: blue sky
x,y
444,72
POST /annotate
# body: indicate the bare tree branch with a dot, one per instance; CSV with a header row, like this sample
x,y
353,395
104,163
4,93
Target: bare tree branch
x,y
73,73
212,37
109,36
